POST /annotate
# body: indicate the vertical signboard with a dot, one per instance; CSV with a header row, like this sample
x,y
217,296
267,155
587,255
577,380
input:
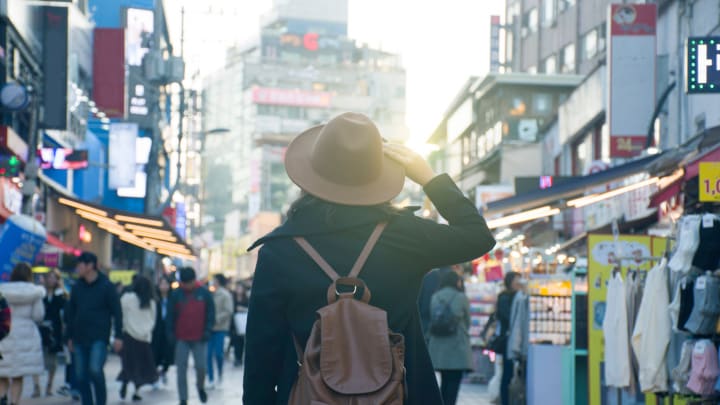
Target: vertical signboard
x,y
122,155
55,62
631,62
702,65
494,43
109,71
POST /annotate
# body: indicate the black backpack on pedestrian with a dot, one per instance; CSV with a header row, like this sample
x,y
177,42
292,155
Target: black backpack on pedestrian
x,y
442,320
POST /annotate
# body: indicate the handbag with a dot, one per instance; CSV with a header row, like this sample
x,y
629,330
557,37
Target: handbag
x,y
240,319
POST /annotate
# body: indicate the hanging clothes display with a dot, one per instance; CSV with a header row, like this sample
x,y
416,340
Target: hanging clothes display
x,y
615,331
704,372
681,373
651,335
687,244
706,306
633,298
707,254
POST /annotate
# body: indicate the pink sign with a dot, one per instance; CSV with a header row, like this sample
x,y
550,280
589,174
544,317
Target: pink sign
x,y
291,97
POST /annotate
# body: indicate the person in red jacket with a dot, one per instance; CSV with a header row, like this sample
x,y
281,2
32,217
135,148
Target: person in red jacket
x,y
191,316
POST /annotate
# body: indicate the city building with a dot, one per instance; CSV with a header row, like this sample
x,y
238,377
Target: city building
x,y
302,71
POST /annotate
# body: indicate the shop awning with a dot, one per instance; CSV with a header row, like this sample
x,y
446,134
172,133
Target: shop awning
x,y
569,189
692,168
148,232
666,193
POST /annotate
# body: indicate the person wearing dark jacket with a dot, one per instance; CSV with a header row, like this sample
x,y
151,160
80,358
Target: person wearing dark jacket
x,y
52,327
348,177
93,308
503,312
430,285
191,316
163,348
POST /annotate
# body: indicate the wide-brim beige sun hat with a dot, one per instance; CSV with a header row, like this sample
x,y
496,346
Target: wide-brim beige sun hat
x,y
343,162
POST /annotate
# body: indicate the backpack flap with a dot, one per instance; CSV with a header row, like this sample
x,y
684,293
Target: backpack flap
x,y
355,355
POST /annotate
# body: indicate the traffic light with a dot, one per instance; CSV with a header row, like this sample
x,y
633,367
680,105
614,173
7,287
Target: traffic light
x,y
9,166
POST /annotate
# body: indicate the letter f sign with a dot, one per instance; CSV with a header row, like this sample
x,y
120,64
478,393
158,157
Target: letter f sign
x,y
705,63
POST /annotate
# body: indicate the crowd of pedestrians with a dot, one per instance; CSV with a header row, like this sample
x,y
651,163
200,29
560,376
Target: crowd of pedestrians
x,y
151,326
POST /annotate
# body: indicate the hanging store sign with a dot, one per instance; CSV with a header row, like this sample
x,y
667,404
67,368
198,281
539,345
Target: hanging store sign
x,y
21,238
631,76
709,182
702,65
122,155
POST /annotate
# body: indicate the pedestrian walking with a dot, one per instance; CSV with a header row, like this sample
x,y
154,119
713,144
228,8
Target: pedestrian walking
x,y
238,327
450,352
191,317
503,313
223,302
94,308
138,363
52,327
430,285
348,177
163,347
22,348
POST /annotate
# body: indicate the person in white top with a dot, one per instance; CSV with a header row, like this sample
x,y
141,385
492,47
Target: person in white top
x,y
138,363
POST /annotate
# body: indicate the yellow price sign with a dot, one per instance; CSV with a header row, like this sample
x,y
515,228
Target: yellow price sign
x,y
709,182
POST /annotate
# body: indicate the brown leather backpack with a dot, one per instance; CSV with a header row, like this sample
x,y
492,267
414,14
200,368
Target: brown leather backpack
x,y
351,357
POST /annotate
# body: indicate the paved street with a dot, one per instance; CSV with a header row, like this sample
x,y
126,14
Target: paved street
x,y
229,393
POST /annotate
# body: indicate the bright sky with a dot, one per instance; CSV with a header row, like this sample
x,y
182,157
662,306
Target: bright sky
x,y
441,43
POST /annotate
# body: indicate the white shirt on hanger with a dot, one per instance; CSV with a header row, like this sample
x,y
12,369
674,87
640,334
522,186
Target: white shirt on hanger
x,y
615,330
652,333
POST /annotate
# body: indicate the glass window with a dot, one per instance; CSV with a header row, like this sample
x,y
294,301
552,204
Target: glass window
x,y
532,69
549,12
550,65
590,44
530,21
567,59
542,104
601,37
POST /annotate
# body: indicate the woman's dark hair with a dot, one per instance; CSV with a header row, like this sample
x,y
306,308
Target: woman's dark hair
x,y
509,278
450,279
21,272
221,279
142,287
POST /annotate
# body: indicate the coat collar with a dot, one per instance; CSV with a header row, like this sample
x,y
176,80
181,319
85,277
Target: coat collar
x,y
329,218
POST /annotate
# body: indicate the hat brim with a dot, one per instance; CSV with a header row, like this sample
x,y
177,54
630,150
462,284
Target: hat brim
x,y
299,168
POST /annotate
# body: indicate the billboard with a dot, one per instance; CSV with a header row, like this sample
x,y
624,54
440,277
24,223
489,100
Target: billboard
x,y
21,238
62,158
109,71
122,155
631,67
56,35
702,65
138,34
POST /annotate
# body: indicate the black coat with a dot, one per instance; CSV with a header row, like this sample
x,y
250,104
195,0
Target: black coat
x,y
289,288
54,306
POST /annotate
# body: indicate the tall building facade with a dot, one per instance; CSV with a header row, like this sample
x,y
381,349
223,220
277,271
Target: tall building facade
x,y
301,72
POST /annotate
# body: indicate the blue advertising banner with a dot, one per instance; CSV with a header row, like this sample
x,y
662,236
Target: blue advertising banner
x,y
20,241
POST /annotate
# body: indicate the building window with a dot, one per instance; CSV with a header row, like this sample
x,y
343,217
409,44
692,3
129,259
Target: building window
x,y
550,65
590,44
564,5
542,104
530,22
567,59
532,69
549,12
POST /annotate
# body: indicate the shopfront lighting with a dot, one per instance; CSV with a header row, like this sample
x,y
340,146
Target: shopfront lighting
x,y
112,228
165,245
95,218
171,253
526,216
592,199
141,221
138,243
154,236
70,203
152,231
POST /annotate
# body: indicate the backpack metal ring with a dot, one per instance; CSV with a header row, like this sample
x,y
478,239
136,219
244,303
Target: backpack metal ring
x,y
333,292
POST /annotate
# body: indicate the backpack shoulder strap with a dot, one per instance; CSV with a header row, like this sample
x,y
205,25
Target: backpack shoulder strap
x,y
305,245
374,237
327,268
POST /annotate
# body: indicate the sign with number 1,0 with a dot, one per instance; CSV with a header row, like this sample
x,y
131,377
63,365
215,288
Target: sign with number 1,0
x,y
709,181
